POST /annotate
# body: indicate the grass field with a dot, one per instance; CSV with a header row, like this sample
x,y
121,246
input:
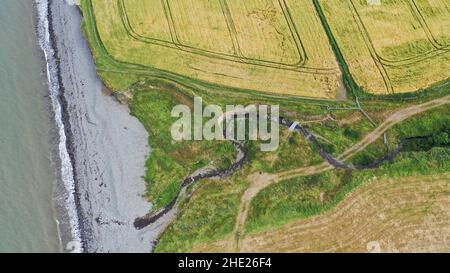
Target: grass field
x,y
305,196
265,45
398,46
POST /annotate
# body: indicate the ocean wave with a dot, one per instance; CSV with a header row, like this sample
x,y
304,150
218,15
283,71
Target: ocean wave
x,y
67,174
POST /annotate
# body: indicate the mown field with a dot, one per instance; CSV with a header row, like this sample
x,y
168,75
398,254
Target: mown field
x,y
409,214
395,47
301,55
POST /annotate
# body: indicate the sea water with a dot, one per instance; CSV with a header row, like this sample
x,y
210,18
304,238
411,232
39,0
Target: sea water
x,y
27,136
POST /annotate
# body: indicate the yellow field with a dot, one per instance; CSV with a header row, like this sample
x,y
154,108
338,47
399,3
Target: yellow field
x,y
280,46
272,46
145,19
437,13
408,214
264,22
397,46
210,31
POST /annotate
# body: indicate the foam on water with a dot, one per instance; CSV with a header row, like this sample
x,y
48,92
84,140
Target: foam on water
x,y
66,170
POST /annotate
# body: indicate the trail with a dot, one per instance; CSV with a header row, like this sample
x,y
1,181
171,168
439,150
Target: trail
x,y
262,180
400,214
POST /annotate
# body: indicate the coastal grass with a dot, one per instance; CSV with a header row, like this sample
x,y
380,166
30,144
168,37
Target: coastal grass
x,y
208,216
340,132
293,152
171,161
425,125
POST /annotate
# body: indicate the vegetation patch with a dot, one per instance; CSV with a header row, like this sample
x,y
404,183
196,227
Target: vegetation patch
x,y
303,197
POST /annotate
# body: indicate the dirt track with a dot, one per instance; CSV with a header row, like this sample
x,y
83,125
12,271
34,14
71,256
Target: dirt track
x,y
261,181
409,214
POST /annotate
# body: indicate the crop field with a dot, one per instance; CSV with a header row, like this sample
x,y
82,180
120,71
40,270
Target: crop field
x,y
271,46
436,12
392,46
410,214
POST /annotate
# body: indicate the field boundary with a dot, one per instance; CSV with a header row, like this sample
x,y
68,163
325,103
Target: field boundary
x,y
118,66
381,63
406,61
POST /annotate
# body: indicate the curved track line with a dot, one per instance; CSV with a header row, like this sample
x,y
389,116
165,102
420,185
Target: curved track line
x,y
261,181
176,44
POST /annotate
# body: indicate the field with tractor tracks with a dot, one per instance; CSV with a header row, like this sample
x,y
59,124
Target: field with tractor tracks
x,y
269,46
392,46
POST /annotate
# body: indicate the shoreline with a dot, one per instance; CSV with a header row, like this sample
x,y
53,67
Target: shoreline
x,y
107,148
67,217
54,136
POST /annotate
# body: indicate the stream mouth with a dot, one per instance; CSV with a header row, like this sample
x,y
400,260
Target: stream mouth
x,y
151,218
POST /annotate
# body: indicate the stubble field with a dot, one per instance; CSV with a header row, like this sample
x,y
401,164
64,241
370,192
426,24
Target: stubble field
x,y
386,215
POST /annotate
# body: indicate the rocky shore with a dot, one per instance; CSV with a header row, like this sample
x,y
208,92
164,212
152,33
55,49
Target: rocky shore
x,y
107,146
